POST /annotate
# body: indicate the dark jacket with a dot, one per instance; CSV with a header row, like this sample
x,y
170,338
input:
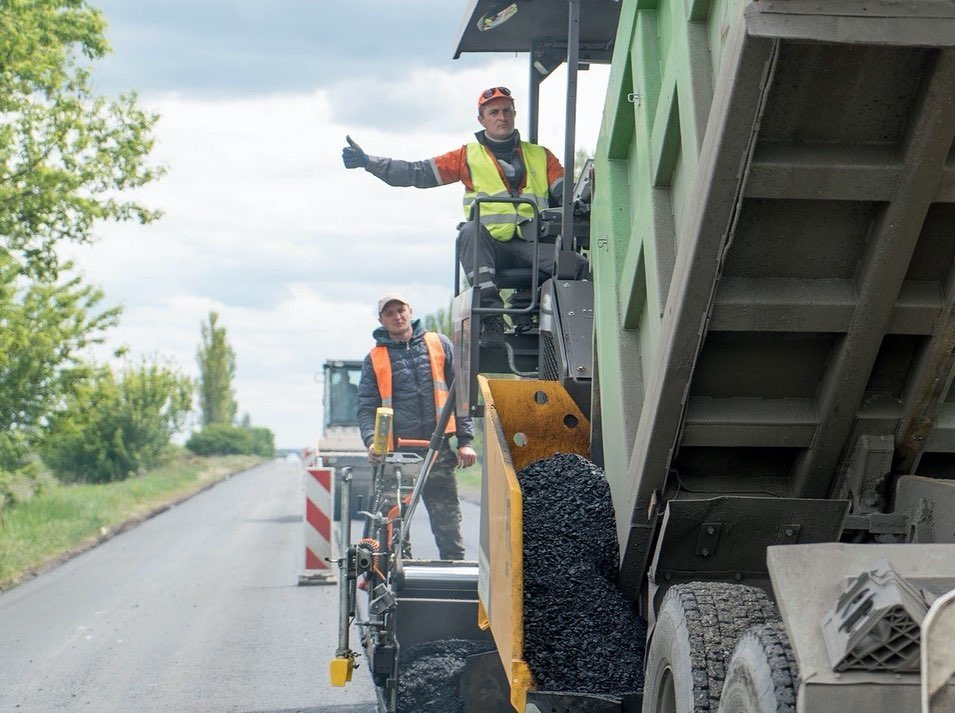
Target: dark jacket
x,y
412,389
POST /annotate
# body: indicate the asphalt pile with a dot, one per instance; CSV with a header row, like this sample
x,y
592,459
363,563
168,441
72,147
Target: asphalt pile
x,y
580,634
429,674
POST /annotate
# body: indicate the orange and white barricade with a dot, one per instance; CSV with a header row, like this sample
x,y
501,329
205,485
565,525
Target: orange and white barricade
x,y
318,527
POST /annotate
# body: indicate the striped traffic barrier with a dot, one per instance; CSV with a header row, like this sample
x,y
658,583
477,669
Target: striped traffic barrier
x,y
318,527
308,457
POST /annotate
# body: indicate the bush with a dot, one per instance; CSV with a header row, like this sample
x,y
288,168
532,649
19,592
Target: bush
x,y
263,441
112,429
226,439
220,439
21,474
23,483
14,450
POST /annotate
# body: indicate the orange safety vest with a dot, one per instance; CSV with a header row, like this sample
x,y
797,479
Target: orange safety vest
x,y
381,362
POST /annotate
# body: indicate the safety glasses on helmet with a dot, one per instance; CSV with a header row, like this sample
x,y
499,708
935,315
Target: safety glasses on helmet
x,y
494,93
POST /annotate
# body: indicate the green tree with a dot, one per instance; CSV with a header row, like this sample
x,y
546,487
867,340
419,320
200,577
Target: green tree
x,y
66,154
44,328
216,371
112,428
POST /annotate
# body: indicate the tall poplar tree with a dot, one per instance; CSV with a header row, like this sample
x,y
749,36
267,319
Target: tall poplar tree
x,y
216,371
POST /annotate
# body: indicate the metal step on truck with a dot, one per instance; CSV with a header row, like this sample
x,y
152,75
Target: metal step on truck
x,y
759,365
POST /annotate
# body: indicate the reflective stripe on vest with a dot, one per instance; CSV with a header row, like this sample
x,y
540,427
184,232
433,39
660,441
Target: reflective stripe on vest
x,y
436,357
381,362
501,219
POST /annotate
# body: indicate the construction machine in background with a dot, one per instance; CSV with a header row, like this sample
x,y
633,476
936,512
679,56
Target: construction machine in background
x,y
760,359
340,445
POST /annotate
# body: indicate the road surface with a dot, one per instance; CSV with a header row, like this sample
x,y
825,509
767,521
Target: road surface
x,y
198,609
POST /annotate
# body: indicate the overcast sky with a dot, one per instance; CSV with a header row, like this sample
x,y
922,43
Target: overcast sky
x,y
262,223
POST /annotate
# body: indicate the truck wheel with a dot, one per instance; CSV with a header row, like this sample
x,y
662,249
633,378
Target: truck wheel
x,y
763,675
696,629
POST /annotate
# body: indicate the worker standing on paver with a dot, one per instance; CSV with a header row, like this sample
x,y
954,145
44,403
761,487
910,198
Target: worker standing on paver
x,y
496,164
409,370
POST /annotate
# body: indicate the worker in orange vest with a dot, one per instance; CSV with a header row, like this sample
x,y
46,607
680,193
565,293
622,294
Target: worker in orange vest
x,y
410,370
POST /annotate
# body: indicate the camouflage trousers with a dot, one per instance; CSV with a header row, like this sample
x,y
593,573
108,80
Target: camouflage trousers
x,y
440,497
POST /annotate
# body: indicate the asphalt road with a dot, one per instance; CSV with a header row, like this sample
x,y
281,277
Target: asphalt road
x,y
198,609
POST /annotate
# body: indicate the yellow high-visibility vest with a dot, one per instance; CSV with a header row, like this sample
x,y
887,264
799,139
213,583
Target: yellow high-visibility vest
x,y
505,220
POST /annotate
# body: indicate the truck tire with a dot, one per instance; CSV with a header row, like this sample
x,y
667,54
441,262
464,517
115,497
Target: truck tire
x,y
763,675
696,629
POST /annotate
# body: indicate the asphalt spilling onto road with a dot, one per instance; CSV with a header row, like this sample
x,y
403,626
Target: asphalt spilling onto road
x,y
580,634
429,674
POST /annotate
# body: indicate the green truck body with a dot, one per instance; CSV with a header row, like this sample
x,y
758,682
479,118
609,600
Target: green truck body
x,y
773,245
773,240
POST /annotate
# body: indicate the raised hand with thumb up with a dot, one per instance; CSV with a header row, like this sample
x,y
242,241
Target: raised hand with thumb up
x,y
353,156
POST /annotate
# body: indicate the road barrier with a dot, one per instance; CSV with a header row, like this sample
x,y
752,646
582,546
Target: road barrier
x,y
318,527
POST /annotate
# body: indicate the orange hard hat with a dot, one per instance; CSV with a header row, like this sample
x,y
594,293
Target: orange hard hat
x,y
494,93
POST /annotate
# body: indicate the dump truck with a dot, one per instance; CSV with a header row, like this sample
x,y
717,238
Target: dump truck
x,y
760,360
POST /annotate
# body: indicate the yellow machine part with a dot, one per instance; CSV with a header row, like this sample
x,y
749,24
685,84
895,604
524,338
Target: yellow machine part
x,y
341,669
524,421
384,420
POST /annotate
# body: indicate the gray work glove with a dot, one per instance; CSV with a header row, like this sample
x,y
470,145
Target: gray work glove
x,y
353,156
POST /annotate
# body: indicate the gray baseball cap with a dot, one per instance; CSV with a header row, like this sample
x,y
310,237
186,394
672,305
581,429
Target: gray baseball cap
x,y
391,297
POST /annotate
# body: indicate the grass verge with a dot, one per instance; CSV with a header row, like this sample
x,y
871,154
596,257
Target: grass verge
x,y
65,520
